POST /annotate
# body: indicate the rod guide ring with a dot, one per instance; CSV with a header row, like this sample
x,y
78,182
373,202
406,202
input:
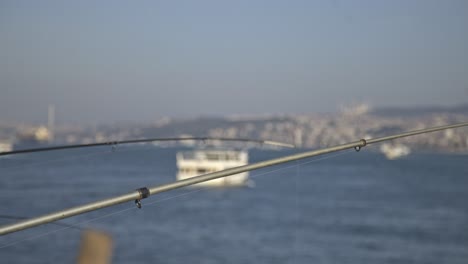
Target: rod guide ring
x,y
144,193
363,144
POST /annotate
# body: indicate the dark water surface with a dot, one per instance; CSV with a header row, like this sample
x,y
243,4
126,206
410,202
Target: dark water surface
x,y
353,208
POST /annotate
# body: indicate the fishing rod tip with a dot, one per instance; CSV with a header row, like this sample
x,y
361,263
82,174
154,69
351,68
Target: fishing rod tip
x,y
280,144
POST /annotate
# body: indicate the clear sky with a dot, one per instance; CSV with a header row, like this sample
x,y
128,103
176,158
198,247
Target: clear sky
x,y
140,60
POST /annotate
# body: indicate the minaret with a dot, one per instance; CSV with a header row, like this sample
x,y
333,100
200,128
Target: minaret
x,y
50,122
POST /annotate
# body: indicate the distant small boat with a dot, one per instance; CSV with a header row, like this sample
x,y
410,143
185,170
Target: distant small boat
x,y
394,151
198,162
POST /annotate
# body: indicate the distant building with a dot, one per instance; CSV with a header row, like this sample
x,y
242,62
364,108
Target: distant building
x,y
5,146
32,137
355,110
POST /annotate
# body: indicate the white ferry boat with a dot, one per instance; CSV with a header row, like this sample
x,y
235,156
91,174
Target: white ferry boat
x,y
198,162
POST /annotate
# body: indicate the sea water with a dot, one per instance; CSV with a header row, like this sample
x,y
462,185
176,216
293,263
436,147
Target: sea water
x,y
350,208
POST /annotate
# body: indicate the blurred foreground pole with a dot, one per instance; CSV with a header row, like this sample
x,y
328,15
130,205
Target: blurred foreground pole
x,y
96,248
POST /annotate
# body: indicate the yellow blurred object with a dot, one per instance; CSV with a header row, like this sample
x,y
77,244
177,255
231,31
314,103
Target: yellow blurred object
x,y
96,248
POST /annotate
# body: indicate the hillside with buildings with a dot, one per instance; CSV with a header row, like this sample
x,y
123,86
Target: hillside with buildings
x,y
306,131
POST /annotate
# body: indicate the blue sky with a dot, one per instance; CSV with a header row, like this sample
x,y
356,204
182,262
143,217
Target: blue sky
x,y
107,61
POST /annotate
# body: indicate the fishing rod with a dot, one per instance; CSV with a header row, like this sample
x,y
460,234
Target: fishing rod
x,y
145,140
145,192
15,217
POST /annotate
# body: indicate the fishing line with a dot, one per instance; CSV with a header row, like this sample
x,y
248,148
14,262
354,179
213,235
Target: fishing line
x,y
297,166
261,174
79,224
296,204
175,196
32,237
296,229
61,229
76,156
303,163
56,160
154,203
